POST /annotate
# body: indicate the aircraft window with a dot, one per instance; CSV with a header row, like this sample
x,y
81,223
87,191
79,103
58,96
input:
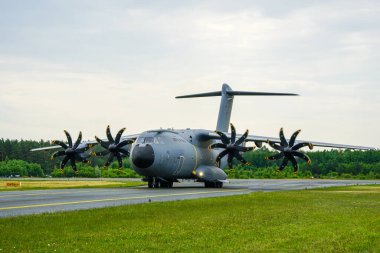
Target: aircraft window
x,y
140,140
149,140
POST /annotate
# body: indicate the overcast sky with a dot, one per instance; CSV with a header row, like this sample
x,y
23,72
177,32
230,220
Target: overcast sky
x,y
81,65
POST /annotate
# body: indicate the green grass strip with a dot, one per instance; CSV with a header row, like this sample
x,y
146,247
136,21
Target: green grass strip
x,y
345,219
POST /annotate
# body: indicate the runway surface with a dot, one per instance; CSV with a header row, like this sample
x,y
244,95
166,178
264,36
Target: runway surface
x,y
13,203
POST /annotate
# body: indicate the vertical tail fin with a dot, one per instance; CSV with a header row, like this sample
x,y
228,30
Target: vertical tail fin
x,y
225,109
227,98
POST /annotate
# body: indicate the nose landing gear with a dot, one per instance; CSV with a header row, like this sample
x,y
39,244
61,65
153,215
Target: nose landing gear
x,y
155,182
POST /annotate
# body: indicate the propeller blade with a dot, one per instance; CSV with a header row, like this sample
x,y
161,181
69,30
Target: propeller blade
x,y
284,163
123,143
259,144
242,138
229,160
221,155
124,152
64,161
60,143
119,134
294,162
57,154
293,138
120,161
102,143
233,133
110,159
109,135
302,156
217,145
301,145
240,158
275,157
78,141
73,165
284,142
223,137
70,141
275,146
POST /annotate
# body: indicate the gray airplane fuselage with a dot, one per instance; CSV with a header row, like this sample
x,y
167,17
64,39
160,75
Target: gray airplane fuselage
x,y
173,154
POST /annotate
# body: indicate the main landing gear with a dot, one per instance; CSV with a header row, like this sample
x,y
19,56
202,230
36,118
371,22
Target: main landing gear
x,y
155,182
213,184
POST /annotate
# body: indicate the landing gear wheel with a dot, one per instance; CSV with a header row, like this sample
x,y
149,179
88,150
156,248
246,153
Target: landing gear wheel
x,y
157,183
209,185
150,182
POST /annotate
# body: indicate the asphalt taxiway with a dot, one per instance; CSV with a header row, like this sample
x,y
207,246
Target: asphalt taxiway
x,y
13,203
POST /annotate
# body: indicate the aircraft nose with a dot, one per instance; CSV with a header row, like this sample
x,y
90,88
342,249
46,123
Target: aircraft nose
x,y
143,156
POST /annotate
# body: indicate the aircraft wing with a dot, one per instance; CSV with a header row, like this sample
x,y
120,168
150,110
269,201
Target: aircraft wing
x,y
86,143
263,139
45,148
255,138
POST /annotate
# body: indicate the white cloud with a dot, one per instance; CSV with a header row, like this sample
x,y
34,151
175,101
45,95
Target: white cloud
x,y
122,63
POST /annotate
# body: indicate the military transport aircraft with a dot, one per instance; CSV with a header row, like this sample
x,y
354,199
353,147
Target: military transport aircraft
x,y
163,156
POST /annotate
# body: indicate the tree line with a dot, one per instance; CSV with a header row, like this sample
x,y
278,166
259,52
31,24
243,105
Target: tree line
x,y
16,159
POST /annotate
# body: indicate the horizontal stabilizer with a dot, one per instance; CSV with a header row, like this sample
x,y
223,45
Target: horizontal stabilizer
x,y
249,93
207,94
236,93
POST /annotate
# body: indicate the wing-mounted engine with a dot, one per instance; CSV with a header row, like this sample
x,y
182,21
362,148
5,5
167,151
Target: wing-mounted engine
x,y
289,150
72,152
232,148
114,147
211,175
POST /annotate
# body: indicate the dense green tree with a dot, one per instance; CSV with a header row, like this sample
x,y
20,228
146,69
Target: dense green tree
x,y
20,168
325,164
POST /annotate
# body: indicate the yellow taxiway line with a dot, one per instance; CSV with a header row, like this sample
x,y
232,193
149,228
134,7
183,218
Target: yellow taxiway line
x,y
114,199
41,194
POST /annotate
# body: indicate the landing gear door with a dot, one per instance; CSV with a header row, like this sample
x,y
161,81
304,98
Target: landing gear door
x,y
180,164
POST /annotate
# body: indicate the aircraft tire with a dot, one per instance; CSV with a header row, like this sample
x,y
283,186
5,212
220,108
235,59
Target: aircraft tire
x,y
157,183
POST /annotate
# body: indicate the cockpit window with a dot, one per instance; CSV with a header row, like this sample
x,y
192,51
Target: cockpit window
x,y
142,140
149,140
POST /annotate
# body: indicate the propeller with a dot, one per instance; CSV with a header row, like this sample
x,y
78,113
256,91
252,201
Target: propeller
x,y
232,147
72,152
113,147
288,151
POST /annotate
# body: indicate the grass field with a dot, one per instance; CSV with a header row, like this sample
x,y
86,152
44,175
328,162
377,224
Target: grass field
x,y
66,184
327,220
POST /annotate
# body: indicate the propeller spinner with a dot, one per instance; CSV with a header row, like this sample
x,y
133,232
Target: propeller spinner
x,y
288,151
